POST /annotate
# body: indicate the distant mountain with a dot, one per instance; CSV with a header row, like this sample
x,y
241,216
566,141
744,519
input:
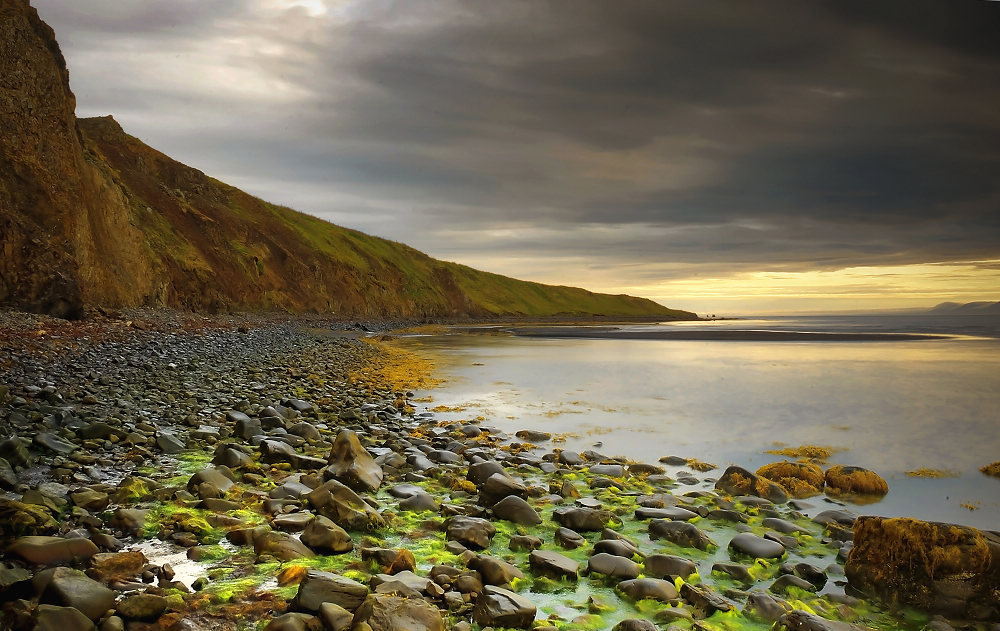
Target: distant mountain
x,y
90,216
968,308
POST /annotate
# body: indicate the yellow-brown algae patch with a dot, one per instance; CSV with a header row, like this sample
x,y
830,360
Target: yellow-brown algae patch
x,y
992,469
818,453
925,472
800,479
698,465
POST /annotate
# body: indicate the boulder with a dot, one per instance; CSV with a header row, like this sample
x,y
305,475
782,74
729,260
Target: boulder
x,y
326,537
294,621
117,566
498,607
390,560
142,607
493,570
553,565
54,443
73,588
738,481
382,612
497,487
616,547
17,518
668,566
652,588
612,566
704,599
44,550
473,532
582,519
513,508
335,617
635,624
280,545
942,568
480,472
219,477
351,464
750,544
53,618
855,481
343,506
169,443
319,587
799,620
569,539
766,607
682,533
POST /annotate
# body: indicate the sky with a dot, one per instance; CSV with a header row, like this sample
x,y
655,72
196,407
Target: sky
x,y
725,157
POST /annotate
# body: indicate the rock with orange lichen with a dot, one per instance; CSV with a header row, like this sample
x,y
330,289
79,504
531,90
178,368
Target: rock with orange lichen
x,y
855,480
800,479
738,481
942,568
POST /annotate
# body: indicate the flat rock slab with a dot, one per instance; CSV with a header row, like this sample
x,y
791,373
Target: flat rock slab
x,y
613,566
319,587
553,565
499,607
52,550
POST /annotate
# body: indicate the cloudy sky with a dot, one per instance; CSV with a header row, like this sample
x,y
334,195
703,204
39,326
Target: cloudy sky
x,y
723,157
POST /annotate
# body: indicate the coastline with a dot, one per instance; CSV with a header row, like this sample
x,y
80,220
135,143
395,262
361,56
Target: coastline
x,y
320,378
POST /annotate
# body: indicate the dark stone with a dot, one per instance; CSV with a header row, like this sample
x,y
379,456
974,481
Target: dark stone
x,y
553,565
472,532
142,607
326,537
319,587
668,566
783,582
706,600
738,481
758,547
635,624
382,612
582,519
674,513
680,532
493,570
352,465
515,509
616,547
653,588
520,543
569,539
613,566
502,608
499,486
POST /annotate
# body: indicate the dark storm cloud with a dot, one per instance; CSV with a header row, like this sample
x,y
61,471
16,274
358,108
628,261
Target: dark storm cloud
x,y
787,135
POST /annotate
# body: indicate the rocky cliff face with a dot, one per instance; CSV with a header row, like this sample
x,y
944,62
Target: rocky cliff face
x,y
65,233
90,216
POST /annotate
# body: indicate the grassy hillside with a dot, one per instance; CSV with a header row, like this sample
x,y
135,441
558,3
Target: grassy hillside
x,y
216,247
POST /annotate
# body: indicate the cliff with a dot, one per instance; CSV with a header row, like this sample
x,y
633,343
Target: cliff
x,y
90,216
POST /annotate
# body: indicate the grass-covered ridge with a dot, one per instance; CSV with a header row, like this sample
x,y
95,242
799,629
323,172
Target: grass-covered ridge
x,y
213,246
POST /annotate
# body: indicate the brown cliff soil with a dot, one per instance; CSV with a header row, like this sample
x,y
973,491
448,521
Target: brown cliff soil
x,y
90,216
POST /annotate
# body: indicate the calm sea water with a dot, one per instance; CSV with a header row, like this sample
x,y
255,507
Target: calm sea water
x,y
892,406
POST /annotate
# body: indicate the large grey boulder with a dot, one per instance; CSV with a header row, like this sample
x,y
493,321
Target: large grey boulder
x,y
319,587
351,464
326,537
472,532
383,612
498,607
343,506
73,588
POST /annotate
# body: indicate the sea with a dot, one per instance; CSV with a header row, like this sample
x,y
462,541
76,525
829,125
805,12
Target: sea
x,y
895,394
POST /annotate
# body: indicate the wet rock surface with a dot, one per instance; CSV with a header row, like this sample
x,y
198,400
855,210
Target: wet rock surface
x,y
209,477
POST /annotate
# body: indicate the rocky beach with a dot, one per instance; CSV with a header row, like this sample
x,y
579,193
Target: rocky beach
x,y
177,472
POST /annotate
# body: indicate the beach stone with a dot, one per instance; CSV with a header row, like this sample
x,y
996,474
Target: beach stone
x,y
306,430
494,571
142,606
738,481
766,607
644,469
319,587
680,532
169,443
657,500
294,621
704,599
553,565
390,560
569,539
806,571
219,477
635,624
480,472
90,499
668,566
280,545
276,451
942,568
15,452
616,547
343,506
503,608
53,618
783,582
381,612
419,502
651,588
472,532
499,486
8,478
45,550
334,617
231,458
520,543
609,470
758,547
402,583
326,537
799,620
131,520
855,480
73,588
533,436
292,522
612,566
570,458
117,566
352,465
674,513
835,517
246,427
783,526
735,571
582,519
54,443
515,509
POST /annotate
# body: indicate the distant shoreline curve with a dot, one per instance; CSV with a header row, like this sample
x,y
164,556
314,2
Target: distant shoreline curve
x,y
737,335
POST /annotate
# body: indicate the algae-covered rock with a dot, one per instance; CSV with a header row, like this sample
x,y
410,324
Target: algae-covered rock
x,y
855,480
53,618
800,479
142,606
343,506
992,469
738,481
17,519
799,620
954,570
